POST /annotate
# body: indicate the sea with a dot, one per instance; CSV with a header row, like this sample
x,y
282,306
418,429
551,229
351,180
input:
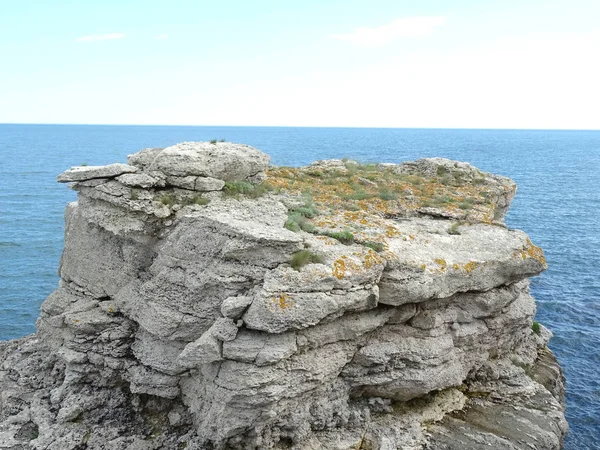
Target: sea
x,y
557,204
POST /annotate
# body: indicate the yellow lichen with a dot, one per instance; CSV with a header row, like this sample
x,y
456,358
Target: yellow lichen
x,y
442,263
372,259
470,266
345,203
339,268
391,231
283,301
532,251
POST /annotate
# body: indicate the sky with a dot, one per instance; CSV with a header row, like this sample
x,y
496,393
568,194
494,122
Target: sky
x,y
376,63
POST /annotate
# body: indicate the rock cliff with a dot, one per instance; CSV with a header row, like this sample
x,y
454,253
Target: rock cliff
x,y
209,301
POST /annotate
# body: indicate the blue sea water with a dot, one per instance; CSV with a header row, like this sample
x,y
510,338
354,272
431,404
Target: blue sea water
x,y
558,204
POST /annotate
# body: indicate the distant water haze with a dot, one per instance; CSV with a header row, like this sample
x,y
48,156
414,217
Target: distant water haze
x,y
557,204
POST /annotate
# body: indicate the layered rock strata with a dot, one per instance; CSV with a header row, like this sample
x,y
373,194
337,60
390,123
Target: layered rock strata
x,y
208,301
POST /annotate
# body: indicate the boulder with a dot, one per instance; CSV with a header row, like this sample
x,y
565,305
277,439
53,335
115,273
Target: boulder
x,y
222,160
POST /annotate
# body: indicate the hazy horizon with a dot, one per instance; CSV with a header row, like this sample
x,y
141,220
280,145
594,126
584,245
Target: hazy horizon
x,y
293,126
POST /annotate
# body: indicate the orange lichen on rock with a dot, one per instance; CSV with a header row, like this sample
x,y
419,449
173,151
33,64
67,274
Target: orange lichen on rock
x,y
530,250
442,263
392,194
283,301
471,266
372,259
339,268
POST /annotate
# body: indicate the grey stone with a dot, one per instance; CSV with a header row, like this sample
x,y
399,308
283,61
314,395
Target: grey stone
x,y
82,173
234,307
143,159
207,184
188,182
141,180
277,312
189,321
223,160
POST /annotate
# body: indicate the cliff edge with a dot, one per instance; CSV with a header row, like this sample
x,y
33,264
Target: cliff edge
x,y
210,301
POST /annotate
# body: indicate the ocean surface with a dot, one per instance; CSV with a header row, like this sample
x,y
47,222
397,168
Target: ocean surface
x,y
557,203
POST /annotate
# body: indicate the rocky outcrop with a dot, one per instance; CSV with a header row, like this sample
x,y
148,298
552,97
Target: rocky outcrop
x,y
208,301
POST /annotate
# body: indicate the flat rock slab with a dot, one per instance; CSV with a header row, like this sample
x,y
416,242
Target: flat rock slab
x,y
82,173
430,263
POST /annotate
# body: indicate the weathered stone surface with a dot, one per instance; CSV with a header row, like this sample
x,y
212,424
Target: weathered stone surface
x,y
183,325
277,312
141,180
223,160
207,184
82,173
234,307
143,159
433,265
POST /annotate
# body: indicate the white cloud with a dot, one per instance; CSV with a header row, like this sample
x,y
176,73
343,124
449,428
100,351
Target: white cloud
x,y
101,37
162,36
410,27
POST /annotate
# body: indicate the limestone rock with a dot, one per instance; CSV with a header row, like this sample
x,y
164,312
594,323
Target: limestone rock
x,y
143,159
223,160
82,173
141,180
207,184
234,307
180,323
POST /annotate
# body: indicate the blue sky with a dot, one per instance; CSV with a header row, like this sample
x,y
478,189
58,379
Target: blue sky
x,y
377,63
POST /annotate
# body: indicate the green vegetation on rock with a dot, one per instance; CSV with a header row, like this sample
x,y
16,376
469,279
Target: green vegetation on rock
x,y
304,257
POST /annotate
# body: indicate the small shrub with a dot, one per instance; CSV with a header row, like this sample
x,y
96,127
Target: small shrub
x,y
235,188
447,180
453,229
213,141
443,199
223,140
351,207
83,164
260,190
359,195
466,204
387,195
304,257
168,200
199,200
297,222
315,173
307,211
415,180
441,170
345,237
377,246
535,327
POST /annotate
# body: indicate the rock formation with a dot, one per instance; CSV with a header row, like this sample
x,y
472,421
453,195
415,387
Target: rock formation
x,y
209,301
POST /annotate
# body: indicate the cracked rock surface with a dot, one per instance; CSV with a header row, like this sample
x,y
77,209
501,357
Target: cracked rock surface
x,y
206,302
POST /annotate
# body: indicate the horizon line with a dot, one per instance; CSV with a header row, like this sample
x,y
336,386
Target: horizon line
x,y
297,126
